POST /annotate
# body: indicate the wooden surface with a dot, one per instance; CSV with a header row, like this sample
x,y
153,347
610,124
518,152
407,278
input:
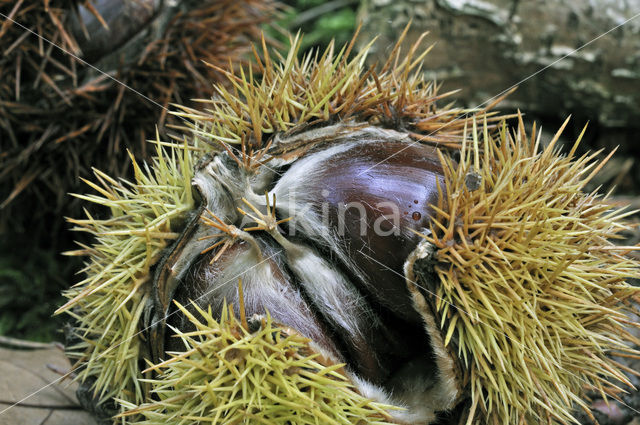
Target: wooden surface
x,y
51,400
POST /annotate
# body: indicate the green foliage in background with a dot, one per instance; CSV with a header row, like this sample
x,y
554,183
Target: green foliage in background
x,y
30,284
320,21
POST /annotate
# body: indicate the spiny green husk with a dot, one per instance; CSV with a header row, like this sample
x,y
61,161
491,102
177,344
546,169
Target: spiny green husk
x,y
319,89
229,375
298,94
532,291
108,303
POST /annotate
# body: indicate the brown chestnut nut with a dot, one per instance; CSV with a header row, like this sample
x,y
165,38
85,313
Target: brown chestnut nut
x,y
319,238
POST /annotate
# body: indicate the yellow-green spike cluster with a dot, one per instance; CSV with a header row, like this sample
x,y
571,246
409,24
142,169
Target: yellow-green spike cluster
x,y
298,93
228,374
108,303
531,290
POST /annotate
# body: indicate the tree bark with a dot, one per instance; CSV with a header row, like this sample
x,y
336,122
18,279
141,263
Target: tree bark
x,y
487,46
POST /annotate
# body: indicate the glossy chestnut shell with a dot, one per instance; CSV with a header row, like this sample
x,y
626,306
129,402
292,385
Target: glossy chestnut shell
x,y
334,272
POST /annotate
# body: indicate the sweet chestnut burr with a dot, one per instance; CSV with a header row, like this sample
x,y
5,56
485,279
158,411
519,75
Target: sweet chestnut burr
x,y
311,249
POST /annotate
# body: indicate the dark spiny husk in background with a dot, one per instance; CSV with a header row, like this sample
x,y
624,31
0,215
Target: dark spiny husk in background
x,y
59,116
